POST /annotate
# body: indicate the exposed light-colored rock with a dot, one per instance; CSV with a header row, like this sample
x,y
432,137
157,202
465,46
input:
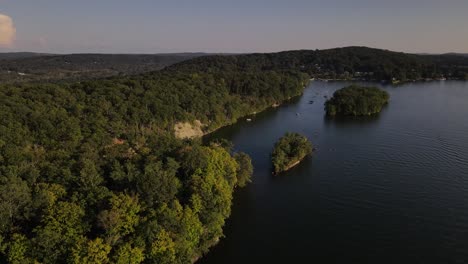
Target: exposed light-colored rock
x,y
188,130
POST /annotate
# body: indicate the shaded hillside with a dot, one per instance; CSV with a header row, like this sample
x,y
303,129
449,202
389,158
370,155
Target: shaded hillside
x,y
20,55
342,63
20,67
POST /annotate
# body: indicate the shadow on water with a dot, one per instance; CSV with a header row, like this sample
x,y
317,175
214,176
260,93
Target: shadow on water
x,y
345,121
350,120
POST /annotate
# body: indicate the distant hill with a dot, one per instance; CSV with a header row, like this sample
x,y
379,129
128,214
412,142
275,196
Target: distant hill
x,y
458,54
20,67
359,63
20,55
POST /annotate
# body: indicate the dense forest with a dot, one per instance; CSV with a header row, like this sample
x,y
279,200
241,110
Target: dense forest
x,y
356,100
289,151
27,67
90,172
351,63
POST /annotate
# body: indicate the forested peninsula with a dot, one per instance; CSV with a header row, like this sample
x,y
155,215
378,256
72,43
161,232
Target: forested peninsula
x,y
91,170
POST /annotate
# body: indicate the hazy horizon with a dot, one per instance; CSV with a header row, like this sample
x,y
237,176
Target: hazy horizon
x,y
221,53
150,27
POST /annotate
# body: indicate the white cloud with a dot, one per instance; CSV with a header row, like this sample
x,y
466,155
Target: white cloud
x,y
7,31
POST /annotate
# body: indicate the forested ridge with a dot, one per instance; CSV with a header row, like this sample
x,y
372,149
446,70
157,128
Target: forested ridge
x,y
90,171
360,63
37,67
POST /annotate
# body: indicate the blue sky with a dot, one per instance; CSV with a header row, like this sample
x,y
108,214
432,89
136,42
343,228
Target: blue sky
x,y
143,26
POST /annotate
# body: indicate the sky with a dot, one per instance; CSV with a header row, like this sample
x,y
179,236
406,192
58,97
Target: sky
x,y
160,26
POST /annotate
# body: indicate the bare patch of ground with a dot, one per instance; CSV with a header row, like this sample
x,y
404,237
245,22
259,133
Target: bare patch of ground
x,y
188,130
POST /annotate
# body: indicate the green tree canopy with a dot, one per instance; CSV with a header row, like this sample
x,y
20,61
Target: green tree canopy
x,y
356,101
289,150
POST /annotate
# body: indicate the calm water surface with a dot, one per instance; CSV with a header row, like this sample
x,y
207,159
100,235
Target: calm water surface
x,y
388,189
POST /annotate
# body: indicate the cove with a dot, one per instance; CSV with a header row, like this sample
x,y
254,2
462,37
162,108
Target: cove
x,y
391,188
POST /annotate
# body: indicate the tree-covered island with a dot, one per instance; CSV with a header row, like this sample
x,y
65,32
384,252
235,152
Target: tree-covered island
x,y
356,101
289,151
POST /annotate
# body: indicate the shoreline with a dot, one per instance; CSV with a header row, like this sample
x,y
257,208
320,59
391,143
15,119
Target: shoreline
x,y
258,111
395,82
274,106
290,166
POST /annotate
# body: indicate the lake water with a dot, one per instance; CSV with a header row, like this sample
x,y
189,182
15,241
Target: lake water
x,y
387,189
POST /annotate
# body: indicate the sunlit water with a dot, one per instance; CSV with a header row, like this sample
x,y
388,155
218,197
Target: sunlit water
x,y
388,189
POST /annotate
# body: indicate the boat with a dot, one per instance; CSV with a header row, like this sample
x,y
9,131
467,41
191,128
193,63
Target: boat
x,y
249,120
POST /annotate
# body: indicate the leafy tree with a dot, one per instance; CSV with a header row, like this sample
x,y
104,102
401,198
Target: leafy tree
x,y
245,169
46,195
122,217
126,254
89,178
216,196
18,249
3,245
15,200
61,228
158,183
91,252
163,249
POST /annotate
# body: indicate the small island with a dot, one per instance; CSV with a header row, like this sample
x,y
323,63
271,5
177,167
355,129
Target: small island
x,y
356,101
289,151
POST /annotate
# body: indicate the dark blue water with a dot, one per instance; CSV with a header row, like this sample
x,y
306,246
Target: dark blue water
x,y
388,189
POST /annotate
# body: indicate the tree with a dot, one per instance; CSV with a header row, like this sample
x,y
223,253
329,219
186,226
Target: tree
x,y
89,178
15,201
18,248
158,184
91,252
122,217
126,254
163,249
245,169
61,228
46,195
216,195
